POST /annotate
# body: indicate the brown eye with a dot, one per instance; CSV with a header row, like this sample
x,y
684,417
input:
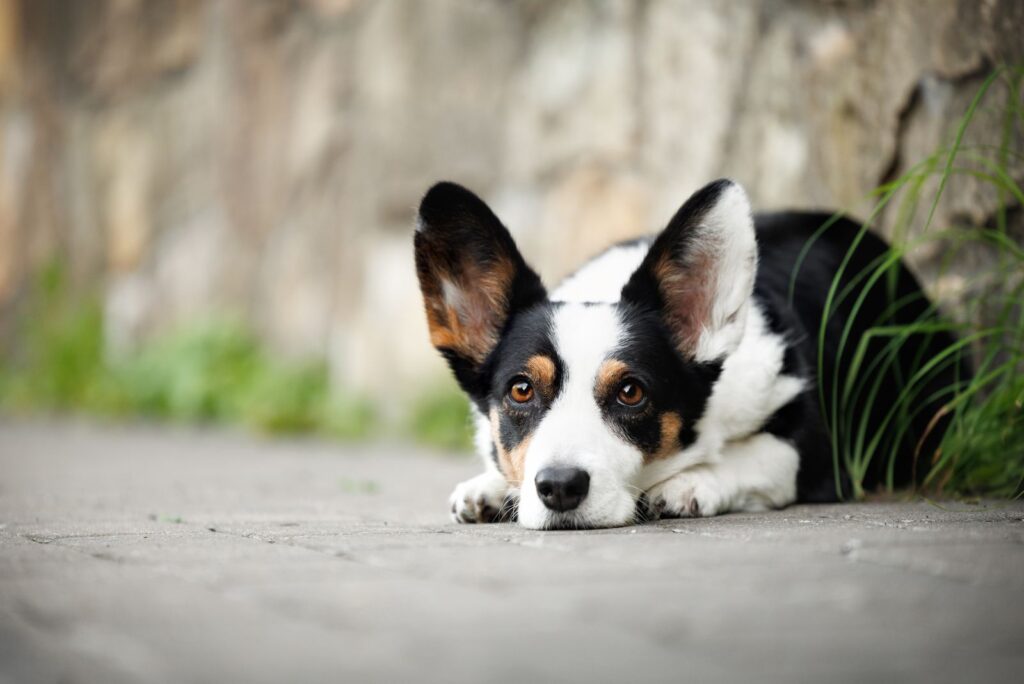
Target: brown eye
x,y
630,393
521,391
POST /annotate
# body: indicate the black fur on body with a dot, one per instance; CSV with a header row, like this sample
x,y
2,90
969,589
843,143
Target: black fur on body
x,y
781,239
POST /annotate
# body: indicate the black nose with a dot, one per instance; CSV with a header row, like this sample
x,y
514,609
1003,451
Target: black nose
x,y
562,489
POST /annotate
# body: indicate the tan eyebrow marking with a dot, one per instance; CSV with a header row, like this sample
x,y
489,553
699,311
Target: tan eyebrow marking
x,y
611,373
541,370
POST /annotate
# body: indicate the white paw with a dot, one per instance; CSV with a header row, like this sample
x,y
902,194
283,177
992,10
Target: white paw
x,y
481,499
694,493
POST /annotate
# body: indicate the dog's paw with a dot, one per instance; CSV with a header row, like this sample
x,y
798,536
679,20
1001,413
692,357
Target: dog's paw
x,y
694,493
481,499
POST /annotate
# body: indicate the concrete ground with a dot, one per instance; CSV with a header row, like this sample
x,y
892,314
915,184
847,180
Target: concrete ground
x,y
158,555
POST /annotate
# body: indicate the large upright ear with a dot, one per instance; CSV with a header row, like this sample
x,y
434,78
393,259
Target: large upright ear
x,y
700,272
472,278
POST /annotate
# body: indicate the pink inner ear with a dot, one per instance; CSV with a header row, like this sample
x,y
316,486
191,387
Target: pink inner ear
x,y
688,293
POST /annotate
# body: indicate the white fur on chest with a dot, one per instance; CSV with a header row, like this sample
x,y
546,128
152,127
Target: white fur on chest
x,y
751,387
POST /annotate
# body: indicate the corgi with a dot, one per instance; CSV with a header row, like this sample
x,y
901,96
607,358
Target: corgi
x,y
676,375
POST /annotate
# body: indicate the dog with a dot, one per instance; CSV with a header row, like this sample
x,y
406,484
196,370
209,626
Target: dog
x,y
676,375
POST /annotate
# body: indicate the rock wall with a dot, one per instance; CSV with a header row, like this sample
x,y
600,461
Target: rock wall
x,y
193,158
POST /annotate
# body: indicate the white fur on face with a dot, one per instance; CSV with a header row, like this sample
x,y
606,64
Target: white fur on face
x,y
575,433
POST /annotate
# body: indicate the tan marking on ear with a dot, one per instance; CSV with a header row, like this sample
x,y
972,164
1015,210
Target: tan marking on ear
x,y
611,373
671,424
688,293
512,462
465,314
541,370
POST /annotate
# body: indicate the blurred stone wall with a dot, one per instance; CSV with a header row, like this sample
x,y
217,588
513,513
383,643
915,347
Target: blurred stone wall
x,y
262,158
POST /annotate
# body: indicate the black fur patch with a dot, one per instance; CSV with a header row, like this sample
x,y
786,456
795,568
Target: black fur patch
x,y
529,334
672,384
674,249
460,241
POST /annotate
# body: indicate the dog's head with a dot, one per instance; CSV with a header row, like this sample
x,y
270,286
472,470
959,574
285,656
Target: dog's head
x,y
582,396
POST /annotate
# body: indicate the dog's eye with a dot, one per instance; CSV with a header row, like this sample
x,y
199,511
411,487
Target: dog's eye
x,y
521,391
631,393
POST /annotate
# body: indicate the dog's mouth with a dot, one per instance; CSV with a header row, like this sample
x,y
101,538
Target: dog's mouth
x,y
569,521
573,520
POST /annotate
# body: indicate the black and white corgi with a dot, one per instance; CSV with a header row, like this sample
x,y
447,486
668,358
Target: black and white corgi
x,y
670,376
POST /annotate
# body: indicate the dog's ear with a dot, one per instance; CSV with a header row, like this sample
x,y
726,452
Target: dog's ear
x,y
700,272
472,278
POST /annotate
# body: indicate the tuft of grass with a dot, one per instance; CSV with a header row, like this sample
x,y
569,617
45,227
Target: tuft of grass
x,y
981,452
62,353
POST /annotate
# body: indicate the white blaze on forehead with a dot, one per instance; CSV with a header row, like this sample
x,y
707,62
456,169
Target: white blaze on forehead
x,y
584,337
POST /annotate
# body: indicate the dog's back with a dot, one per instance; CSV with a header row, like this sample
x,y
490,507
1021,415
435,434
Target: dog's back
x,y
801,256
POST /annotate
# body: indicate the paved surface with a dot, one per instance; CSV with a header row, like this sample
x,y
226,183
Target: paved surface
x,y
167,556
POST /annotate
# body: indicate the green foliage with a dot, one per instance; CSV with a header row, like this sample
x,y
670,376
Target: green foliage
x,y
982,452
62,352
207,372
286,399
441,418
203,373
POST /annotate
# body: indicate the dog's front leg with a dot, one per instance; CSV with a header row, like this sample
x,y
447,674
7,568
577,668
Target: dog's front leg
x,y
482,499
488,497
754,474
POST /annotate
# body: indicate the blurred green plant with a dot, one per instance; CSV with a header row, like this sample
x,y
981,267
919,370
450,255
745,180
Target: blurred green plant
x,y
982,451
441,418
205,372
59,362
